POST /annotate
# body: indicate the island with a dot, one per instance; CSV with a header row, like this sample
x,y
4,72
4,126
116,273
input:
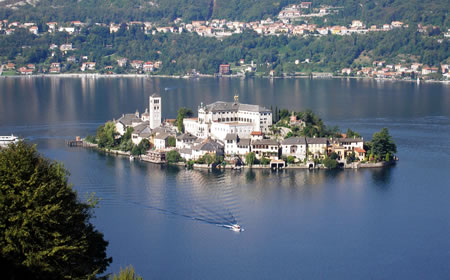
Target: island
x,y
233,135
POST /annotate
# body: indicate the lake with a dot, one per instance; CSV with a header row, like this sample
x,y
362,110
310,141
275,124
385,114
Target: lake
x,y
391,223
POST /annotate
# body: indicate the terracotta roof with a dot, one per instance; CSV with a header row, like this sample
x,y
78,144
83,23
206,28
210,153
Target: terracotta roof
x,y
359,150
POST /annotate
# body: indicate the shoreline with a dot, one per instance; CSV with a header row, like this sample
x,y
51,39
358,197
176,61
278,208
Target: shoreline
x,y
354,165
98,75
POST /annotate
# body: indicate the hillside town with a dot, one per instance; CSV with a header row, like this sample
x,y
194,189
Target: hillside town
x,y
293,20
231,131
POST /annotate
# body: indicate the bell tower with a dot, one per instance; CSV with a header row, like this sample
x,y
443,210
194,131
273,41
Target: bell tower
x,y
155,111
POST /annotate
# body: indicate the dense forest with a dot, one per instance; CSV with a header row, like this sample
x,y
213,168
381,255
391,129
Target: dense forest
x,y
372,12
180,53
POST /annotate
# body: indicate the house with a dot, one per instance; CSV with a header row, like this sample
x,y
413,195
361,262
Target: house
x,y
224,69
208,146
357,24
360,153
317,147
185,140
66,47
267,148
305,5
55,68
88,66
234,145
126,121
25,71
346,71
148,66
396,24
122,62
72,59
52,26
161,140
140,132
351,143
294,146
69,30
10,66
137,64
114,27
34,30
429,70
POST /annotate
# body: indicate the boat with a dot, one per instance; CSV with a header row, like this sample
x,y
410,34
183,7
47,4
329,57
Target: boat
x,y
6,140
235,227
131,157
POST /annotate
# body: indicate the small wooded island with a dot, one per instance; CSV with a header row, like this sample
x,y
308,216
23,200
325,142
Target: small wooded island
x,y
235,135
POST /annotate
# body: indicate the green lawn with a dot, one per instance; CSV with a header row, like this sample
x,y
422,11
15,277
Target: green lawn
x,y
9,73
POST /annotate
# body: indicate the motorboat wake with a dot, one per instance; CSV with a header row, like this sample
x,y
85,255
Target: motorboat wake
x,y
234,227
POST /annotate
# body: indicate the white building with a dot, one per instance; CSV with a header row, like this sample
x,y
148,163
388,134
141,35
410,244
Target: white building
x,y
294,146
185,140
161,141
351,143
236,146
140,132
220,118
127,120
155,111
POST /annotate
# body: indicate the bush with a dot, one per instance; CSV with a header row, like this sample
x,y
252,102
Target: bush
x,y
330,163
173,156
250,158
290,159
265,161
90,139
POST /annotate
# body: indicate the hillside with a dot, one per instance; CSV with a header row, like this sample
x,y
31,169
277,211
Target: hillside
x,y
372,12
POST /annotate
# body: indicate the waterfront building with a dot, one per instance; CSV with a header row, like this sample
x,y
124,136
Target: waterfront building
x,y
317,147
234,145
161,140
208,146
155,111
294,146
268,148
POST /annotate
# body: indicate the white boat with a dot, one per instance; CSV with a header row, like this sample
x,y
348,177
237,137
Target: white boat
x,y
235,227
6,140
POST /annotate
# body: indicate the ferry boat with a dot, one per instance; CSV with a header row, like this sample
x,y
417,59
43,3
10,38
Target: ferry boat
x,y
6,140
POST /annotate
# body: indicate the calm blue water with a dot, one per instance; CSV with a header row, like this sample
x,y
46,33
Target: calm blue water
x,y
168,222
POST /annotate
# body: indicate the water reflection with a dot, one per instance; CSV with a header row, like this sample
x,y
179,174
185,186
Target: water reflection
x,y
382,177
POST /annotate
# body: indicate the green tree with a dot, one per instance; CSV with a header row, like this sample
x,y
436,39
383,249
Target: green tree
x,y
183,113
45,231
106,135
126,274
171,141
382,144
330,163
173,156
250,158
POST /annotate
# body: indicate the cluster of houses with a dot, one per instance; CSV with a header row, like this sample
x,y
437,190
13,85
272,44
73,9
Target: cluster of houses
x,y
285,24
229,129
380,69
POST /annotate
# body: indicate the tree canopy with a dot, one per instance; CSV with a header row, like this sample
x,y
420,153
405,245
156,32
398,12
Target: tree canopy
x,y
45,232
382,144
